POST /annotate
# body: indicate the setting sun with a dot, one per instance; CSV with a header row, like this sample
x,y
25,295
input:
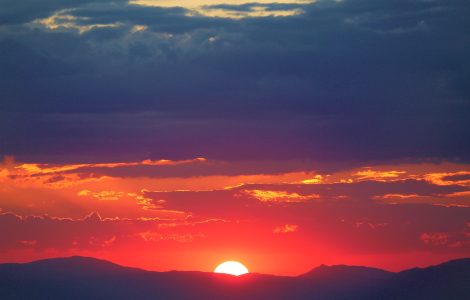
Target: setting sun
x,y
232,268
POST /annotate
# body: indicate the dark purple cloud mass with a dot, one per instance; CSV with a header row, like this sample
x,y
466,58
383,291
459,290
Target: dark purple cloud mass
x,y
355,80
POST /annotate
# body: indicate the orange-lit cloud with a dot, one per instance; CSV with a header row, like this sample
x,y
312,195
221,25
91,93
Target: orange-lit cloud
x,y
399,196
199,206
279,196
316,179
449,178
459,194
42,169
369,174
212,8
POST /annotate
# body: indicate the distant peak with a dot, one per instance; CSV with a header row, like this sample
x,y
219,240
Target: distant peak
x,y
75,261
326,270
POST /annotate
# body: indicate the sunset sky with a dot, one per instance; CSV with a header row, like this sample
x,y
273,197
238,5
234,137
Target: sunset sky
x,y
174,135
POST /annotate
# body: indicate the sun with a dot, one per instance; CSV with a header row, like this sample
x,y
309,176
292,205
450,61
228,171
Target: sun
x,y
232,268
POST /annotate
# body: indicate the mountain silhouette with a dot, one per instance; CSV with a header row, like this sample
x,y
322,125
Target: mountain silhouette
x,y
89,278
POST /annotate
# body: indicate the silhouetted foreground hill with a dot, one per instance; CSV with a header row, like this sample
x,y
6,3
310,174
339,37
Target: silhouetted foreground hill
x,y
88,278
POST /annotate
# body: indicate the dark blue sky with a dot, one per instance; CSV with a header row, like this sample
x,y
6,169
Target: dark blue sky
x,y
347,81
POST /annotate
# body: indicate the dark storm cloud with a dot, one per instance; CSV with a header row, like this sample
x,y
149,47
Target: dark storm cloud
x,y
351,80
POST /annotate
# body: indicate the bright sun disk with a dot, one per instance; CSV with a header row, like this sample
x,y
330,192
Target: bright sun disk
x,y
232,268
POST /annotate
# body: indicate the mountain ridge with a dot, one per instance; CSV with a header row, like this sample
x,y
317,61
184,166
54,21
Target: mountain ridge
x,y
80,277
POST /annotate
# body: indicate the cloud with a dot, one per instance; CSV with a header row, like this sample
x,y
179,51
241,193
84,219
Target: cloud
x,y
287,102
150,236
103,195
279,196
253,199
369,174
60,176
459,194
62,21
234,10
448,240
91,232
286,228
340,227
460,178
435,239
320,85
14,13
219,221
164,188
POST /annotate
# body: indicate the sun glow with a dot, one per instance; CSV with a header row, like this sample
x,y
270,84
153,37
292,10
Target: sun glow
x,y
232,268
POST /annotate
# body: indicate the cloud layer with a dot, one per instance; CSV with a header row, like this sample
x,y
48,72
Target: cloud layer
x,y
342,81
291,131
388,216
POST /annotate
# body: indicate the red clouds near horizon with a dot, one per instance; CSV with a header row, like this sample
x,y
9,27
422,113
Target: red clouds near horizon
x,y
186,214
279,135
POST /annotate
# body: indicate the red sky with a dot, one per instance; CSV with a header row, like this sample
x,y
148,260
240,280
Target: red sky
x,y
282,134
281,218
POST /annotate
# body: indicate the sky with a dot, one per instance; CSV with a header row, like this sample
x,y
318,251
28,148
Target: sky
x,y
175,135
